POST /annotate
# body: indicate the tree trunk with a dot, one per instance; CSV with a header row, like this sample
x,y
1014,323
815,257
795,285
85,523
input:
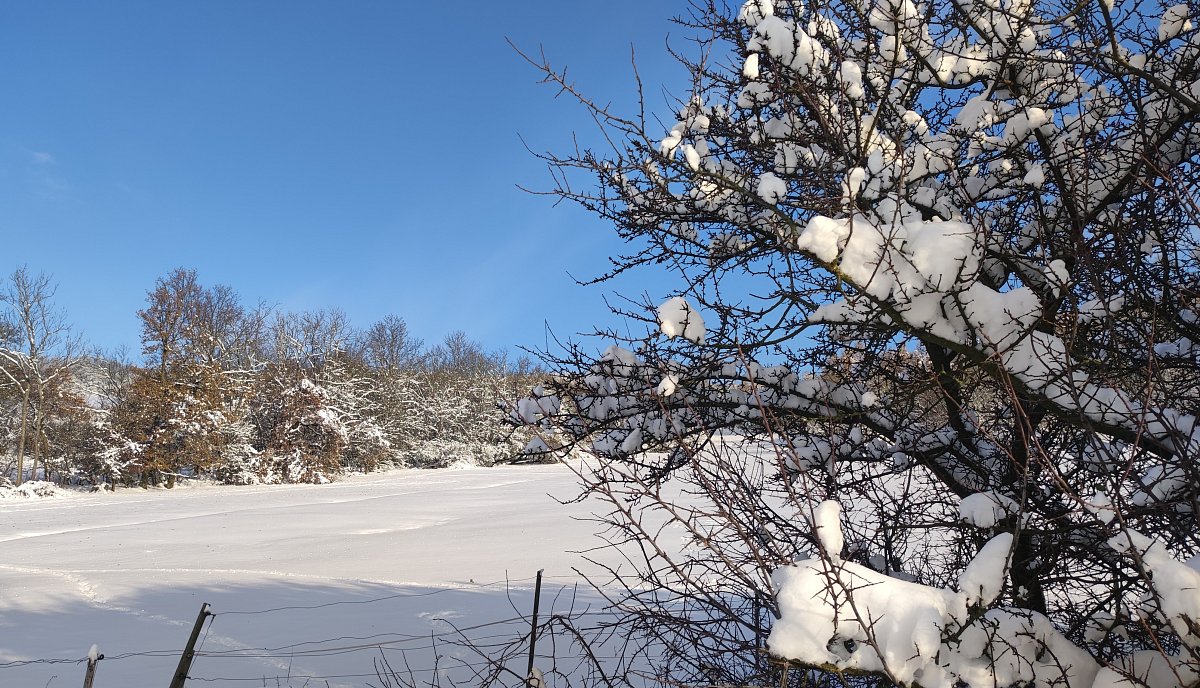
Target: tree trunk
x,y
21,437
41,448
41,442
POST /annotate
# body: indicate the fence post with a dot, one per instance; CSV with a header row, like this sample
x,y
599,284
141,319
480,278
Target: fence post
x,y
93,657
537,598
185,660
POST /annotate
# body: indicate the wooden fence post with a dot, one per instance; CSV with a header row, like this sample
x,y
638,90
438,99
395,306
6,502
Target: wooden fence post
x,y
537,598
185,660
93,657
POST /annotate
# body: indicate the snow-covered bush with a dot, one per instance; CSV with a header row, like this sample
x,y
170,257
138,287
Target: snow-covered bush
x,y
30,489
449,411
303,434
448,453
941,268
240,462
367,447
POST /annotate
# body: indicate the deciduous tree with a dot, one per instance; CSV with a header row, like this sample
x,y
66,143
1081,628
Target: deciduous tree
x,y
37,355
930,379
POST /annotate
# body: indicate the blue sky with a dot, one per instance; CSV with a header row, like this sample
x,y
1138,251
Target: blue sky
x,y
362,155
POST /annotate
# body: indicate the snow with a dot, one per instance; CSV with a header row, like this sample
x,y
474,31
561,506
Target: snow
x,y
820,626
536,446
847,617
1035,176
1021,125
129,571
853,184
755,11
671,143
1102,507
850,74
677,318
894,261
1152,668
771,188
750,69
986,509
822,237
928,272
1174,22
827,518
668,386
30,489
1176,584
983,578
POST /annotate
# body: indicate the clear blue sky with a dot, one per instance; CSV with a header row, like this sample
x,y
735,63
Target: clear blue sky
x,y
361,155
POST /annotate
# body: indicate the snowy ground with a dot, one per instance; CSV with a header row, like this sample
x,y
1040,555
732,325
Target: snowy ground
x,y
129,571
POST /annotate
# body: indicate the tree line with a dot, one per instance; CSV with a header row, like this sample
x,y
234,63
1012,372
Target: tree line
x,y
238,393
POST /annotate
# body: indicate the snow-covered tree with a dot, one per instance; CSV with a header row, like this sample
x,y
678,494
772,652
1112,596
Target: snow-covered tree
x,y
453,413
185,411
304,434
37,351
318,408
931,375
167,321
388,346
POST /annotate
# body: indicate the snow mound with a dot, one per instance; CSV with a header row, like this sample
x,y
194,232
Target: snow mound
x,y
34,489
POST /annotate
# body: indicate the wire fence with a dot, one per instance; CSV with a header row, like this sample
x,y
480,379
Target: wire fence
x,y
482,651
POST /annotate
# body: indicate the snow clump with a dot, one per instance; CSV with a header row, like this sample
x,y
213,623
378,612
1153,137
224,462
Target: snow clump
x,y
828,521
677,318
986,509
847,617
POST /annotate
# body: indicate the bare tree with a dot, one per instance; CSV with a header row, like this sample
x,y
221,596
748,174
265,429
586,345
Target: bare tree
x,y
388,346
222,332
39,354
923,407
167,318
311,339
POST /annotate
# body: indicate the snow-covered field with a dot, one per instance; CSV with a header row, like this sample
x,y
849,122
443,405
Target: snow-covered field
x,y
396,559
